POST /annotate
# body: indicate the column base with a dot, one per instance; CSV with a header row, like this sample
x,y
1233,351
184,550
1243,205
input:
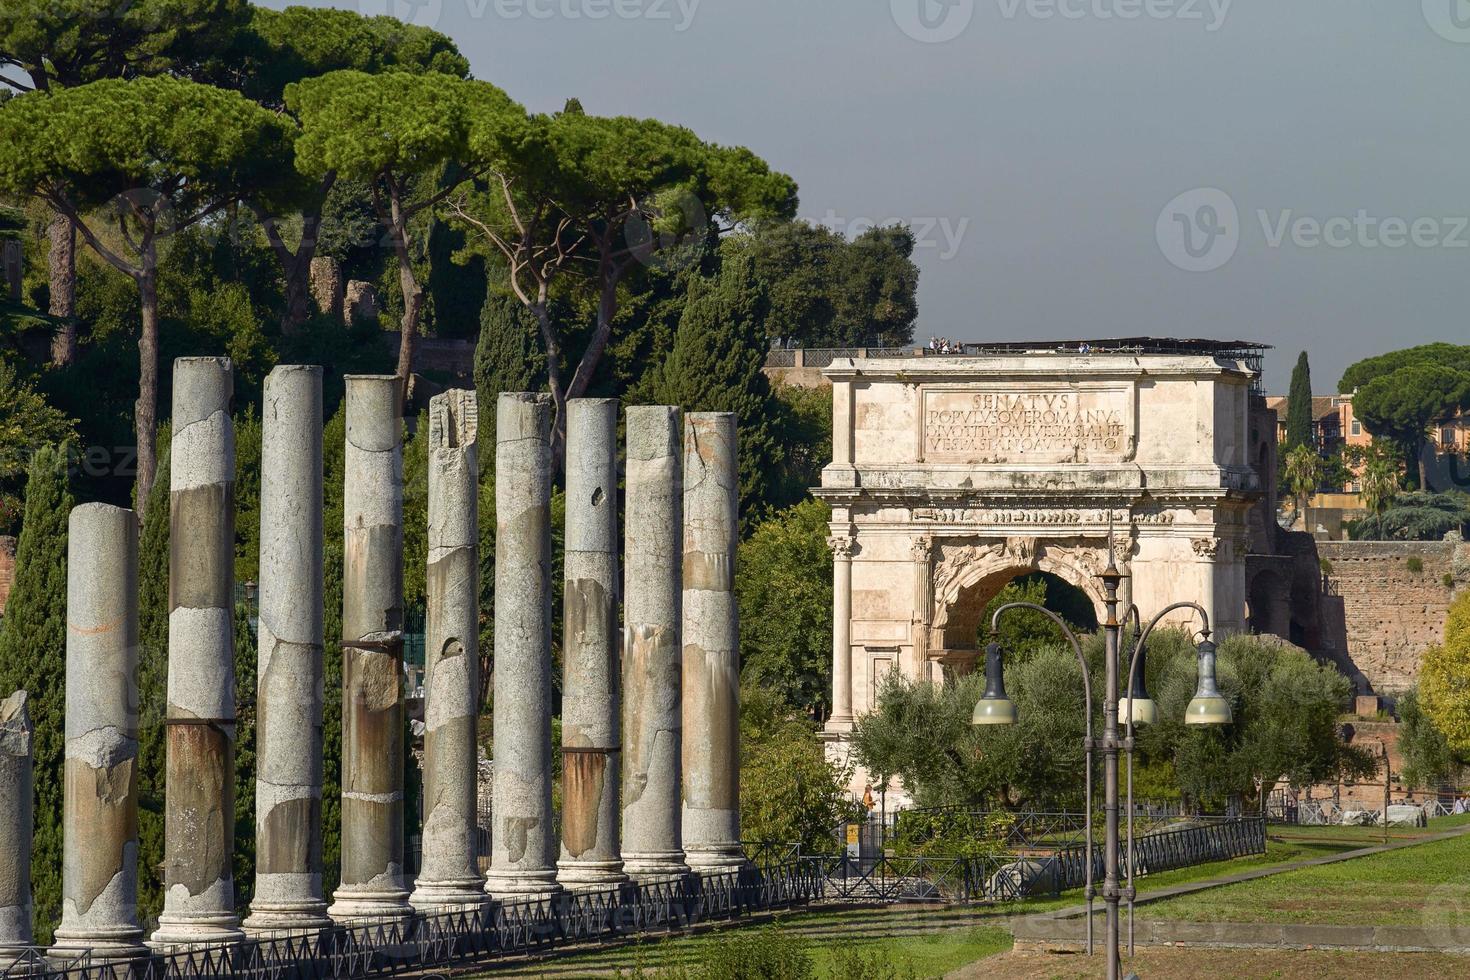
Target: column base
x,y
367,904
665,864
178,932
122,944
302,919
588,875
522,884
839,725
716,859
463,894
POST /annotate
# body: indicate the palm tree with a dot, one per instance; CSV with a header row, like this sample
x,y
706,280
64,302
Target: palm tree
x,y
1380,483
1303,475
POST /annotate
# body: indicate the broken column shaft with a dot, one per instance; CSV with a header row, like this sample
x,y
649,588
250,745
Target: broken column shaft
x,y
651,655
520,853
591,763
199,817
17,790
288,779
711,644
99,900
449,876
373,712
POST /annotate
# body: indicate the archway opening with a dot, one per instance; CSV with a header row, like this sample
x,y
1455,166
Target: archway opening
x,y
1023,630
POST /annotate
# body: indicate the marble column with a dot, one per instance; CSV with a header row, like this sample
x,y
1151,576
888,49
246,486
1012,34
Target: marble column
x,y
99,861
199,808
841,717
450,876
17,791
373,711
711,640
288,780
590,753
652,715
520,852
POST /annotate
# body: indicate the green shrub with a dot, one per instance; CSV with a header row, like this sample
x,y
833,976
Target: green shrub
x,y
1449,580
870,962
767,953
1415,565
1326,566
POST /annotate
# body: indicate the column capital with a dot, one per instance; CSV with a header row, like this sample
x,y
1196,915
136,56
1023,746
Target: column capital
x,y
841,547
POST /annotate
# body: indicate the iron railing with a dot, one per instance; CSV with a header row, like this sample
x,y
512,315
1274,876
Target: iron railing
x,y
465,936
1039,867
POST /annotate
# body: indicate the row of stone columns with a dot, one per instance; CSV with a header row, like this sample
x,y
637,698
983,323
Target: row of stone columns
x,y
679,669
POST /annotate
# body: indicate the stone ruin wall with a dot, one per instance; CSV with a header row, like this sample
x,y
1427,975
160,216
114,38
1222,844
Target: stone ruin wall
x,y
1390,614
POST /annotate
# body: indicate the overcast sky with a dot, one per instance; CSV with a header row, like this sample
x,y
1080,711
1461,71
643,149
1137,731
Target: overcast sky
x,y
1288,172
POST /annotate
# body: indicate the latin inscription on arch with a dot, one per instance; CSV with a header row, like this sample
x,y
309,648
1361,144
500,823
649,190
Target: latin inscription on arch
x,y
1027,425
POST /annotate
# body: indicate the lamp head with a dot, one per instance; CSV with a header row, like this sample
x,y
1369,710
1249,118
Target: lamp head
x,y
1145,711
1208,707
994,707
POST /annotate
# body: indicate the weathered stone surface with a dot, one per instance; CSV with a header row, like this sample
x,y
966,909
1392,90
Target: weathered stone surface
x,y
652,716
591,757
449,875
99,913
16,793
361,302
711,633
288,783
373,711
521,839
328,290
199,824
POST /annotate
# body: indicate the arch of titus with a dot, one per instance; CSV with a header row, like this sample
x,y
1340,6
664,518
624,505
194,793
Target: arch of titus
x,y
951,475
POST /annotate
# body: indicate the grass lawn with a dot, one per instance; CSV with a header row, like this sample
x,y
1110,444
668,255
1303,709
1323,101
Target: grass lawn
x,y
1220,964
1425,885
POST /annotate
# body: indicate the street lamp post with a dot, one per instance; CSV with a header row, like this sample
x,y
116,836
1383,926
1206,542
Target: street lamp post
x,y
1208,707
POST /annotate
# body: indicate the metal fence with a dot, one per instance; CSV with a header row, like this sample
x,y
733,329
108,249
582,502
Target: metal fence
x,y
1040,867
457,938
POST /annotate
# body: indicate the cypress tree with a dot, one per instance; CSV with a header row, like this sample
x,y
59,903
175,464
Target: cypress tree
x,y
33,658
1299,429
153,685
508,357
715,366
334,439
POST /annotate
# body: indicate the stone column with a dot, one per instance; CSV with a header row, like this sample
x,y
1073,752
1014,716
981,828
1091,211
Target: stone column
x,y
520,853
199,809
17,791
99,862
841,717
288,780
450,876
652,716
711,638
590,744
373,712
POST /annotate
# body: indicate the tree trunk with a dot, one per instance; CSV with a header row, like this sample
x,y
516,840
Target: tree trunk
x,y
413,299
146,410
553,381
297,270
63,275
1420,447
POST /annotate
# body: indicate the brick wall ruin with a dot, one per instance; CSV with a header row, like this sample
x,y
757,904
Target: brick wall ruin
x,y
1392,598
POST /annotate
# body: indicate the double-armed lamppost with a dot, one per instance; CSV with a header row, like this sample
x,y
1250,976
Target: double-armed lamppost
x,y
1208,707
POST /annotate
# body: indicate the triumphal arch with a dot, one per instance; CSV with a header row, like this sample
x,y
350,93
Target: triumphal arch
x,y
953,474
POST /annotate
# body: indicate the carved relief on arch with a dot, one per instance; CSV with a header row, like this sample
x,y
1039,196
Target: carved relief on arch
x,y
967,573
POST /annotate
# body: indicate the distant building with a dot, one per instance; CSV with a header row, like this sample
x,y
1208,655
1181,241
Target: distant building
x,y
1334,428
